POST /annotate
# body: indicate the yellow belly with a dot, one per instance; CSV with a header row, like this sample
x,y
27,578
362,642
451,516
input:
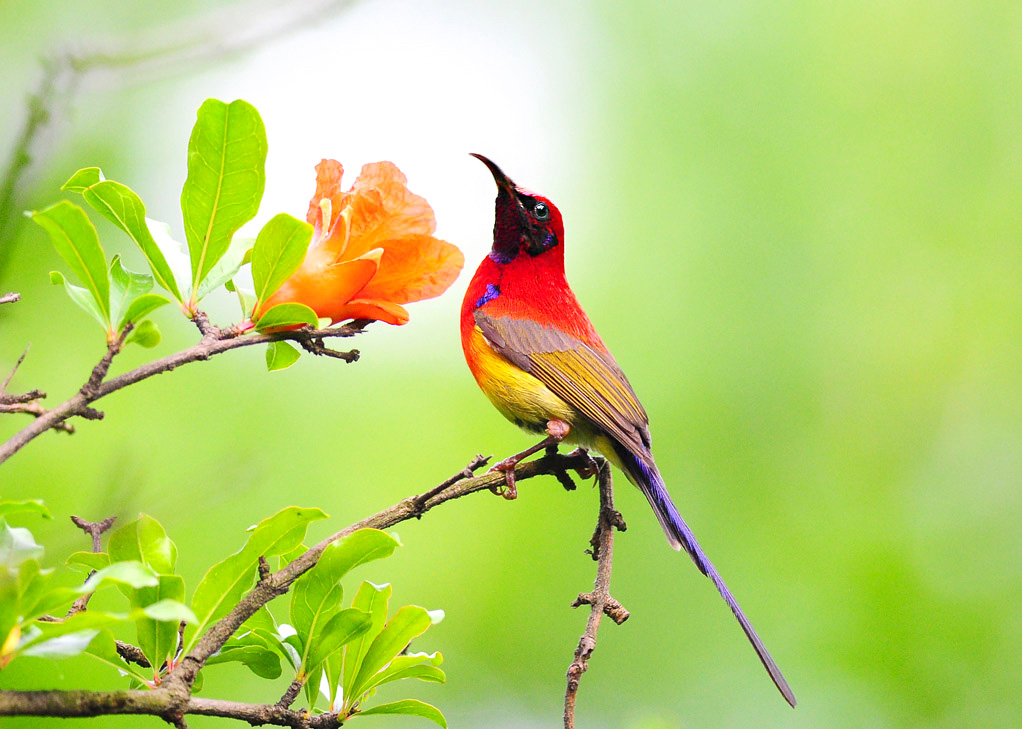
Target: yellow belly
x,y
519,396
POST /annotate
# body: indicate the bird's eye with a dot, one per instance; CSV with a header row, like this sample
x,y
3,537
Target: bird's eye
x,y
541,211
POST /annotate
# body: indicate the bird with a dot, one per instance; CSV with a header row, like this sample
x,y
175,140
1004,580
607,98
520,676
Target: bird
x,y
537,357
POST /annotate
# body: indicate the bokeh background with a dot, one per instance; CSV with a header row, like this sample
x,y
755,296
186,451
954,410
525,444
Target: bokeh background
x,y
797,225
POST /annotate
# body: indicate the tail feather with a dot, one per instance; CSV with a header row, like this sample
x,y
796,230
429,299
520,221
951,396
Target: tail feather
x,y
646,476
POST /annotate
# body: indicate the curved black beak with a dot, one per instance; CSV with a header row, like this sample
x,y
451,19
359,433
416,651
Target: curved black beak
x,y
503,181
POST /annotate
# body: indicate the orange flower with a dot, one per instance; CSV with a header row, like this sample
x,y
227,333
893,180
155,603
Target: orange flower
x,y
372,249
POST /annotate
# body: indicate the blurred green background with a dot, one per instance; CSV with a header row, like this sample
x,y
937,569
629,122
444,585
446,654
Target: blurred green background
x,y
797,225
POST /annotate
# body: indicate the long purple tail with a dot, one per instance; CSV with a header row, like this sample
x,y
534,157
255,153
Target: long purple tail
x,y
648,479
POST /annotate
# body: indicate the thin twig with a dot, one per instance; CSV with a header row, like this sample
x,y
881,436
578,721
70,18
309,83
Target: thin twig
x,y
14,370
94,529
467,472
215,341
132,654
599,599
9,298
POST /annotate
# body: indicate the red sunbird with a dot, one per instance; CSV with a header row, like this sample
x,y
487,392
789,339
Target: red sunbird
x,y
537,357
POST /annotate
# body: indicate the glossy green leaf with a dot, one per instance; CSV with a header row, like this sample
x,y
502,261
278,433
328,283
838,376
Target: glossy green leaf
x,y
169,609
409,707
88,561
85,300
418,666
144,540
409,622
280,356
124,208
129,574
227,267
83,179
35,586
142,307
77,242
17,545
45,639
262,661
225,582
125,287
287,315
372,599
311,688
162,609
29,506
278,252
145,334
316,595
226,158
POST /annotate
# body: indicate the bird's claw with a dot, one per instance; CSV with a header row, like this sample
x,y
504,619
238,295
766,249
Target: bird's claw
x,y
589,467
508,490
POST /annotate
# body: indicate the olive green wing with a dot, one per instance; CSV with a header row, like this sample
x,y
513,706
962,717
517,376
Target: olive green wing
x,y
586,378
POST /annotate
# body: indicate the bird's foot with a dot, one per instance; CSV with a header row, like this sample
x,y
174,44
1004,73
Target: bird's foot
x,y
556,431
508,489
588,467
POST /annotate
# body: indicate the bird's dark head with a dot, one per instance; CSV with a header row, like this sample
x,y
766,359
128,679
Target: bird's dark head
x,y
525,223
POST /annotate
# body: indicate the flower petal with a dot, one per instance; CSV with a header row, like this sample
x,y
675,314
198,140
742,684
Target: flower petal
x,y
385,311
323,285
385,209
414,268
328,185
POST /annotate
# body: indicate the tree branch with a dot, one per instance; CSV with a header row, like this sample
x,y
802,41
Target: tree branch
x,y
599,599
94,529
173,699
9,298
214,341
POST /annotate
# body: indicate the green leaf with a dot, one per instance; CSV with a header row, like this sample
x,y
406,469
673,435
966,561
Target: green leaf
x,y
30,506
418,666
341,628
227,581
142,307
125,287
144,540
410,707
161,610
82,179
170,609
80,296
46,639
130,574
278,252
280,356
262,661
146,334
121,206
287,315
226,158
373,599
88,561
17,545
409,622
316,595
221,274
35,590
77,242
